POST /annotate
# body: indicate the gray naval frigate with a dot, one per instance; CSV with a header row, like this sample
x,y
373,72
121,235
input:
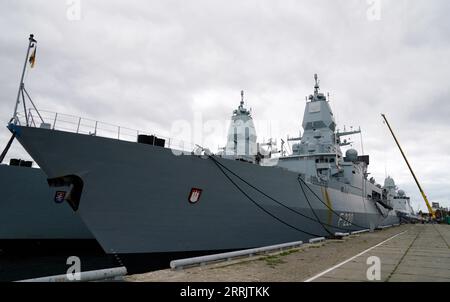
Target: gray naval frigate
x,y
144,196
28,210
400,202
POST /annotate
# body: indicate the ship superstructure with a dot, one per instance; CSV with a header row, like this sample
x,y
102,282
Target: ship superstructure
x,y
399,201
142,195
241,138
318,156
146,198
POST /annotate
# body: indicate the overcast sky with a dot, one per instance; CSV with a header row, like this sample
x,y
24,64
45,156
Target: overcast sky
x,y
148,64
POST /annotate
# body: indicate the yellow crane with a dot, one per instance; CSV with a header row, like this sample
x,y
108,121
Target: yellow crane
x,y
430,209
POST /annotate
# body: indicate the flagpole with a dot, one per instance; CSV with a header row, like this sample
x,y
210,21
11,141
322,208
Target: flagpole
x,y
30,45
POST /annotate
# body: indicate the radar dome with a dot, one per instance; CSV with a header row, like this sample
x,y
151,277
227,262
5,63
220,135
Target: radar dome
x,y
352,155
401,193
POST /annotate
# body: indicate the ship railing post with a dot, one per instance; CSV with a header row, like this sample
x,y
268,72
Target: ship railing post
x,y
95,130
168,143
31,117
54,122
118,132
78,126
29,114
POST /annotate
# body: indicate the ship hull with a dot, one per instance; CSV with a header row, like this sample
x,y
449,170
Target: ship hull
x,y
135,197
28,211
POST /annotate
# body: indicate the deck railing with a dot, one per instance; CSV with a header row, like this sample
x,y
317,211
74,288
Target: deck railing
x,y
80,125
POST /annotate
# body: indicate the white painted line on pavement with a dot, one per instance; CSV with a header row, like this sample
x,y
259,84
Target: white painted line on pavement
x,y
350,259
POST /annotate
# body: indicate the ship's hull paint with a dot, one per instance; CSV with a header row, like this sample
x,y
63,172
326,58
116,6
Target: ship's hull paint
x,y
28,210
135,197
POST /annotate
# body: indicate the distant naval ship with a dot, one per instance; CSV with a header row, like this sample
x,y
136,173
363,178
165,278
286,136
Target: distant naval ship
x,y
144,197
401,203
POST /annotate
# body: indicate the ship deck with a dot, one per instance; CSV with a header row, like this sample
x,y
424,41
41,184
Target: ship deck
x,y
418,252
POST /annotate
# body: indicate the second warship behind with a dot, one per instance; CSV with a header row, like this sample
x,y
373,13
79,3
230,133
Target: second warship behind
x,y
142,197
29,213
400,201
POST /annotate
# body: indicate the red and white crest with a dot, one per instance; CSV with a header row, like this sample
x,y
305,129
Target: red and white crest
x,y
195,194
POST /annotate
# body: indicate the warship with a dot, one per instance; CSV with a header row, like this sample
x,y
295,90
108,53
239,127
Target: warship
x,y
400,201
144,196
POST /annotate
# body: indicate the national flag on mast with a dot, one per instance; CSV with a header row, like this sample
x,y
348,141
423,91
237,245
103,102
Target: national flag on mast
x,y
33,57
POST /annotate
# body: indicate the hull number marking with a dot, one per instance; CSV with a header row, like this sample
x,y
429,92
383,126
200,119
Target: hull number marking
x,y
345,219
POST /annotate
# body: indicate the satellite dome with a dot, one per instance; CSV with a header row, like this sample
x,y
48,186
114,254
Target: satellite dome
x,y
352,155
401,193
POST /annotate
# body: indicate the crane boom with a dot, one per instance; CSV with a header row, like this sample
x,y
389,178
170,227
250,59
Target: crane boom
x,y
430,209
